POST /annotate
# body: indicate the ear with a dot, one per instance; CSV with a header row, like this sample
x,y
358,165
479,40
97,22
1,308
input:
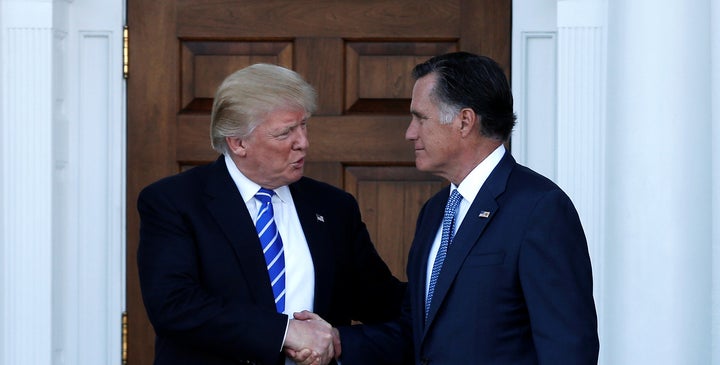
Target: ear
x,y
236,146
468,121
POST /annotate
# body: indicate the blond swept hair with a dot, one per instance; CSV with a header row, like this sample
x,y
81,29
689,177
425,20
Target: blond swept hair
x,y
247,96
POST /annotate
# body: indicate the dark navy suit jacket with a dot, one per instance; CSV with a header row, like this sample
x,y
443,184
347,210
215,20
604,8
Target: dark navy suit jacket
x,y
203,277
515,288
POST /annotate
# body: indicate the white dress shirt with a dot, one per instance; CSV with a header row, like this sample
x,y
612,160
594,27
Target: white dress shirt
x,y
299,269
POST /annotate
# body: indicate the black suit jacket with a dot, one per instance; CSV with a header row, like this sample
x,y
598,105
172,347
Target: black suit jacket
x,y
515,287
203,277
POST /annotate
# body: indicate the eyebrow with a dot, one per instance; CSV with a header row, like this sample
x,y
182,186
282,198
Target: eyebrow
x,y
418,114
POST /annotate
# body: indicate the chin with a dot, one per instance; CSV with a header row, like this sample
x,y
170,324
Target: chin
x,y
295,176
420,165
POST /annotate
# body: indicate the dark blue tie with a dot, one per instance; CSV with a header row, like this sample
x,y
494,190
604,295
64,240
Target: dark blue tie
x,y
448,230
272,246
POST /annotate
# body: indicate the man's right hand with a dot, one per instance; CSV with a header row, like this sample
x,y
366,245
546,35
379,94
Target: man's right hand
x,y
310,332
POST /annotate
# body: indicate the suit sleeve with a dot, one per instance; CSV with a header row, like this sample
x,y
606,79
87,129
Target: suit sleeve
x,y
556,279
386,343
377,294
179,307
379,341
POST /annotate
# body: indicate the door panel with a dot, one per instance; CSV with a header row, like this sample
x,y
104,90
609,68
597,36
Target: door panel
x,y
357,54
390,199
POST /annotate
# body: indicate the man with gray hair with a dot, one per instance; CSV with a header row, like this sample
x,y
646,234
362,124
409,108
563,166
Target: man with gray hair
x,y
499,270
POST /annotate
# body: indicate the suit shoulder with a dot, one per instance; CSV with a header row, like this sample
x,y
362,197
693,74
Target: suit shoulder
x,y
320,188
525,176
529,185
189,180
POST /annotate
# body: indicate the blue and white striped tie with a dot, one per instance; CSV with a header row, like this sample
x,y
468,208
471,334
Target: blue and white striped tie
x,y
272,246
448,230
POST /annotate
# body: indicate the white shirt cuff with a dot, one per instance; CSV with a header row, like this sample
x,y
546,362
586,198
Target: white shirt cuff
x,y
287,326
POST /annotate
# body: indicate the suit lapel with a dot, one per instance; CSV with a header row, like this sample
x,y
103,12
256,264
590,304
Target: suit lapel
x,y
316,223
481,212
227,207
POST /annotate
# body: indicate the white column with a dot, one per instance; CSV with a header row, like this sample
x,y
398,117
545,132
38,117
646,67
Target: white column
x,y
715,102
581,138
26,161
658,255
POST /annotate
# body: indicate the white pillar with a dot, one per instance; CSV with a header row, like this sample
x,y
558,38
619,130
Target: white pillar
x,y
715,102
28,109
658,258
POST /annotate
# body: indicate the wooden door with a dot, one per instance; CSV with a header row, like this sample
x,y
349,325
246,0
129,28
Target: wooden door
x,y
357,53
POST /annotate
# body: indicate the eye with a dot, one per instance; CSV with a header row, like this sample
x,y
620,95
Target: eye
x,y
418,117
282,134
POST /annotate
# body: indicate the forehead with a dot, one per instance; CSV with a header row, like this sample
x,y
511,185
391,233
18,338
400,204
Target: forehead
x,y
424,85
422,92
286,116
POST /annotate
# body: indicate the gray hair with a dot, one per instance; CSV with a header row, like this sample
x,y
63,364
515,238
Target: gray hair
x,y
247,96
446,110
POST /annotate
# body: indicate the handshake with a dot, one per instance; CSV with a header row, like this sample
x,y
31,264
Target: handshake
x,y
311,340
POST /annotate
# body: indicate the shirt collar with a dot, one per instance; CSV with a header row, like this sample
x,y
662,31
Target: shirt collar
x,y
470,186
249,188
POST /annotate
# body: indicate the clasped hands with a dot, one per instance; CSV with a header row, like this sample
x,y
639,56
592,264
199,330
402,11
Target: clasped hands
x,y
311,340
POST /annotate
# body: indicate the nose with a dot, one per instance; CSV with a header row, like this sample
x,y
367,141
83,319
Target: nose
x,y
301,142
411,132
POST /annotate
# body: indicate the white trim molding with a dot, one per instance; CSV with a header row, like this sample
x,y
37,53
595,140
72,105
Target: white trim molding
x,y
535,92
98,262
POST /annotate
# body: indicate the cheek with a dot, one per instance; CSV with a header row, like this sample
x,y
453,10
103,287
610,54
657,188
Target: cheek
x,y
280,156
432,140
429,131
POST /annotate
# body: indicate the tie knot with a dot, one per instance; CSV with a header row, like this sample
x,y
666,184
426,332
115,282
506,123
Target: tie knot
x,y
452,206
264,195
455,199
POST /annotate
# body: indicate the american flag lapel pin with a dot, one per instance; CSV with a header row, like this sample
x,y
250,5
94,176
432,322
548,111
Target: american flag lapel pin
x,y
319,218
484,214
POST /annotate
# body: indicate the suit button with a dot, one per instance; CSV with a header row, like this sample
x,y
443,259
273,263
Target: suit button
x,y
424,361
